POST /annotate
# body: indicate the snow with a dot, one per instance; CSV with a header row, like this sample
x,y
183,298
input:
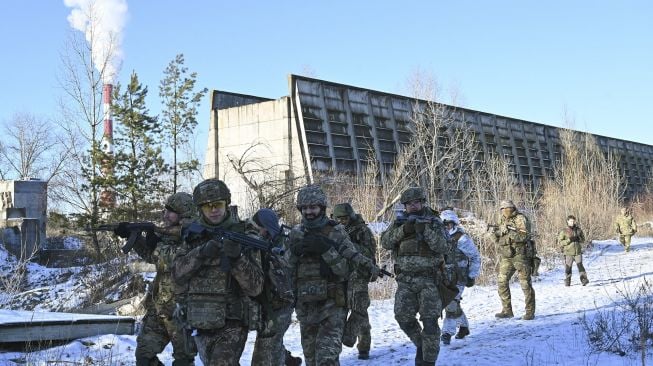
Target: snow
x,y
555,337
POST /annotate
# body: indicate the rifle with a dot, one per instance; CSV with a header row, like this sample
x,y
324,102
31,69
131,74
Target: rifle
x,y
402,218
383,272
135,230
510,227
195,229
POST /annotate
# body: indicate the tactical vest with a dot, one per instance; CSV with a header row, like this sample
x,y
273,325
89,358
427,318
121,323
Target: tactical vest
x,y
315,280
214,296
459,256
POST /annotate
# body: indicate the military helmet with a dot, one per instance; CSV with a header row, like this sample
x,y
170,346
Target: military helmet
x,y
411,194
182,204
211,190
311,195
343,209
508,204
449,216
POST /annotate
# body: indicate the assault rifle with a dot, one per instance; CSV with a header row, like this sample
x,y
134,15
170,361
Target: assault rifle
x,y
383,272
402,218
510,227
134,230
220,235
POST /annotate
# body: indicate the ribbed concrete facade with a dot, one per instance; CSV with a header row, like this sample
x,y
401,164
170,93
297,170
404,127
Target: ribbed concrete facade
x,y
322,125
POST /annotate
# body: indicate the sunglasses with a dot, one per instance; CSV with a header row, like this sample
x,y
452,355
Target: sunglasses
x,y
214,205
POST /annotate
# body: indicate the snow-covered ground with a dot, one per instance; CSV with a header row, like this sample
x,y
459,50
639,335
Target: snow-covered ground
x,y
555,337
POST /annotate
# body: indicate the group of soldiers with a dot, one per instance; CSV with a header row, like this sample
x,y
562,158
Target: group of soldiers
x,y
211,291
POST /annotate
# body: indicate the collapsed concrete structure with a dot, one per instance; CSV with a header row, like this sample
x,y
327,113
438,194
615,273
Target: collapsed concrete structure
x,y
23,216
323,125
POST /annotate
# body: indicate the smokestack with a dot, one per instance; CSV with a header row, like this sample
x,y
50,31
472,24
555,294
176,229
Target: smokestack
x,y
107,197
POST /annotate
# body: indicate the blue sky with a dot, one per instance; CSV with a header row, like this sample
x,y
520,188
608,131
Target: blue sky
x,y
523,59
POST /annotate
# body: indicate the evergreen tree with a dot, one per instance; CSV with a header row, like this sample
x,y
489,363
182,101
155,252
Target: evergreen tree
x,y
179,114
139,168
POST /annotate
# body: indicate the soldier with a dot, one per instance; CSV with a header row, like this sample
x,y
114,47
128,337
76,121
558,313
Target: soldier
x,y
625,227
159,327
219,277
320,259
269,350
418,249
570,240
468,267
513,237
358,297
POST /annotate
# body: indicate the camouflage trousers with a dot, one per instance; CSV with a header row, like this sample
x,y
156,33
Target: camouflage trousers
x,y
358,324
157,332
454,316
271,351
625,241
419,294
322,342
224,346
507,268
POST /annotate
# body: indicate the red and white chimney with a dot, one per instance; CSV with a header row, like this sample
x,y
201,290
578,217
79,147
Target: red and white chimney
x,y
107,197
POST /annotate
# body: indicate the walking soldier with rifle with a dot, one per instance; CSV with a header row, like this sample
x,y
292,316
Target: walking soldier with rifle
x,y
219,269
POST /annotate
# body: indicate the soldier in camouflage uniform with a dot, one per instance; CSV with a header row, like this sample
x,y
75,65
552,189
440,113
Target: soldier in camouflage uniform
x,y
512,236
418,249
159,327
570,240
625,226
269,350
358,297
217,304
320,259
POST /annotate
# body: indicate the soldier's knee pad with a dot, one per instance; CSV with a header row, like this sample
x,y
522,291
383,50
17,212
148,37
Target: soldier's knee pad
x,y
431,326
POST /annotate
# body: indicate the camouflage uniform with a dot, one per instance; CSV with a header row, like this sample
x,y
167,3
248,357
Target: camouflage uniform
x,y
159,328
320,259
570,240
625,226
217,304
515,256
418,253
358,297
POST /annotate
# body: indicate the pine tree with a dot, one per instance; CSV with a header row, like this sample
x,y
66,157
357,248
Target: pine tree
x,y
139,168
179,114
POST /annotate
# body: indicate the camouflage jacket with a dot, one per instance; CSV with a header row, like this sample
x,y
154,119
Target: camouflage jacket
x,y
625,225
319,281
162,289
191,269
363,239
570,240
421,252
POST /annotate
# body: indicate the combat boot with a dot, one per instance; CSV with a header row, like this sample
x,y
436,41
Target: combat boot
x,y
528,316
567,282
504,314
446,338
418,357
583,279
462,332
292,360
363,355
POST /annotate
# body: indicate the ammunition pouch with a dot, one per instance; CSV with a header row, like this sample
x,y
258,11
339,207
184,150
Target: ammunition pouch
x,y
358,299
206,312
311,290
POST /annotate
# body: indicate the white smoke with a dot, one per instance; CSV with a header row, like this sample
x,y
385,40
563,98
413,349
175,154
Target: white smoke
x,y
102,21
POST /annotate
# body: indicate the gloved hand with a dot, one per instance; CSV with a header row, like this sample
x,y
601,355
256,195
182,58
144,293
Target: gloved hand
x,y
211,249
470,282
121,230
409,226
573,238
231,248
317,244
151,239
503,229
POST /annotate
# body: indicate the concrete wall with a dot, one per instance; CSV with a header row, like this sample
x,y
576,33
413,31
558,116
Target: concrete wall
x,y
30,196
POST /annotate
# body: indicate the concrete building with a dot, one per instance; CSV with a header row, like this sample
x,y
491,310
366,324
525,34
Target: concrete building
x,y
323,125
23,215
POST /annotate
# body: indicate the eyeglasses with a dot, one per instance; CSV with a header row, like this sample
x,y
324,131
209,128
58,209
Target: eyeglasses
x,y
214,205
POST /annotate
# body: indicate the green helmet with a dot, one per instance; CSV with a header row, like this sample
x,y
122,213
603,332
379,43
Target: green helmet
x,y
508,204
211,190
182,204
412,193
343,209
311,195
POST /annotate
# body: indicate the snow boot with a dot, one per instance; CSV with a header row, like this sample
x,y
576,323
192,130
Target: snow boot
x,y
363,355
462,332
292,360
583,279
504,314
446,338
